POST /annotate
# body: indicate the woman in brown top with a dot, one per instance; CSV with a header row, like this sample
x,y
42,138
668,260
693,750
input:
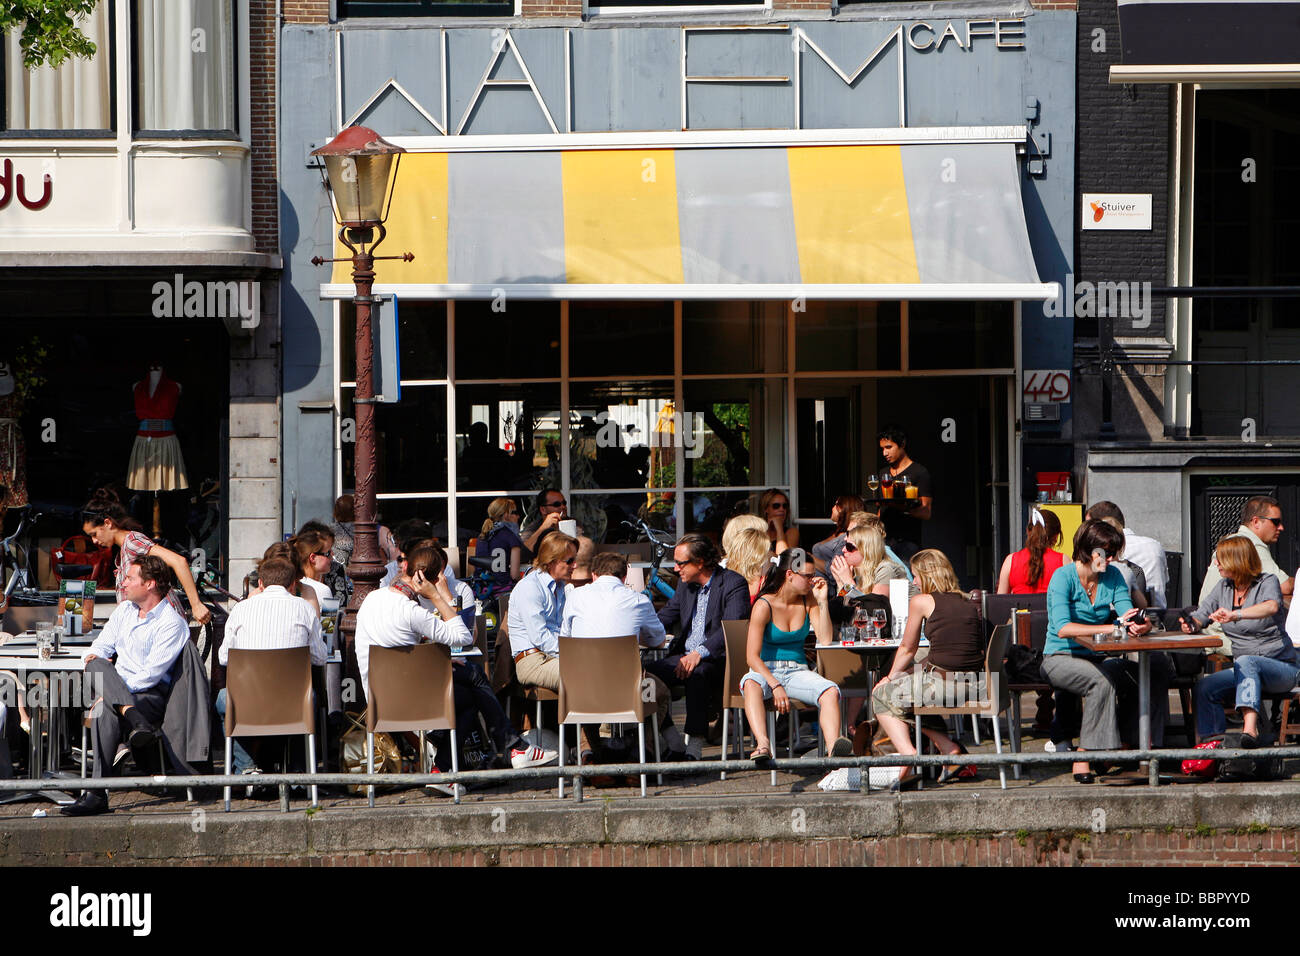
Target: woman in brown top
x,y
956,634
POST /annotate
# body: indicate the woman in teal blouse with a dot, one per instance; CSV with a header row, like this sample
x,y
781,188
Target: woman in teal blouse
x,y
1086,596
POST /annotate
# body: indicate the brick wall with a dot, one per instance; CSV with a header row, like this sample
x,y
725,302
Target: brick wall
x,y
551,9
261,95
305,11
1178,848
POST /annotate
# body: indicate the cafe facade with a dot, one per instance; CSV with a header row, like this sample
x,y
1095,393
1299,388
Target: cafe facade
x,y
665,259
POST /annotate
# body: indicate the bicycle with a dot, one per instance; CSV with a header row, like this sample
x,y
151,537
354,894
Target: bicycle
x,y
661,545
18,561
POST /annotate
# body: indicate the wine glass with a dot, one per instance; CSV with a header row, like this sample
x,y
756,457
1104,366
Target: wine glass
x,y
861,618
873,482
878,621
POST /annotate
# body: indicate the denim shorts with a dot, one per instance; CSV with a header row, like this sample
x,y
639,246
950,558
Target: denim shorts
x,y
800,683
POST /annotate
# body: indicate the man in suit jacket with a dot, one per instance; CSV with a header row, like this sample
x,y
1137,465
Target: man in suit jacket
x,y
706,596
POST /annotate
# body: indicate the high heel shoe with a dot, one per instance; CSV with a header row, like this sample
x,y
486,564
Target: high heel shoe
x,y
1084,778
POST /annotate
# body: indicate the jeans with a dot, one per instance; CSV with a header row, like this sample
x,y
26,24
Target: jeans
x,y
1251,677
240,758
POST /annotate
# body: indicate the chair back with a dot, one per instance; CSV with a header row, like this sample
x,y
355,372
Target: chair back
x,y
737,636
600,680
268,692
410,688
845,668
983,705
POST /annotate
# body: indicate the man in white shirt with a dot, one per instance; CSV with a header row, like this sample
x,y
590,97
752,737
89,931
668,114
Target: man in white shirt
x,y
271,619
146,635
607,607
1147,553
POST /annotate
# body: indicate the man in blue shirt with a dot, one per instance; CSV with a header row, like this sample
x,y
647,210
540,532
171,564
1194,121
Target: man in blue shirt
x,y
707,596
146,636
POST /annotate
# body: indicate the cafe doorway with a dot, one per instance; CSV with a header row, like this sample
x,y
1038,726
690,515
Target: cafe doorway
x,y
957,426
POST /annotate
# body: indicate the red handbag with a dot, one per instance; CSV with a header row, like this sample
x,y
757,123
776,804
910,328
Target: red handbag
x,y
1203,768
79,550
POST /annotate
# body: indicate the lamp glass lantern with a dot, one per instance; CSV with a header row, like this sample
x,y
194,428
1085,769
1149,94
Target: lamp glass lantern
x,y
360,172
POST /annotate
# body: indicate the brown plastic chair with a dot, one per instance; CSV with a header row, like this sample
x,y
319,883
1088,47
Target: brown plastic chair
x,y
736,634
411,689
848,671
268,693
601,681
989,707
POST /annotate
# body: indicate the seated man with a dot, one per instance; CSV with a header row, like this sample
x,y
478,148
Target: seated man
x,y
707,596
146,635
607,607
536,612
273,618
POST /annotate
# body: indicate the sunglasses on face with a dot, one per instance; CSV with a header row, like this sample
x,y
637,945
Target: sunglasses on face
x,y
1277,522
554,504
683,564
570,561
320,554
850,547
779,506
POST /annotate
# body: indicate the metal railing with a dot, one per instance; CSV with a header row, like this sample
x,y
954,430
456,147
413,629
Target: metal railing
x,y
1154,759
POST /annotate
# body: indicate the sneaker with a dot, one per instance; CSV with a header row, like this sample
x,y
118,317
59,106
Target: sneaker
x,y
445,789
694,748
532,756
256,791
843,747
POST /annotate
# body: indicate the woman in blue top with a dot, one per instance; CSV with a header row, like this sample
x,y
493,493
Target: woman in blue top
x,y
1086,596
499,540
778,625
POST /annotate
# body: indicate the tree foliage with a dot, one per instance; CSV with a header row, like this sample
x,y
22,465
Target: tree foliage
x,y
49,33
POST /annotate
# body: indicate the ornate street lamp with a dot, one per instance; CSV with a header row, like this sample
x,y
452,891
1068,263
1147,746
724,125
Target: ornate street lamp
x,y
360,172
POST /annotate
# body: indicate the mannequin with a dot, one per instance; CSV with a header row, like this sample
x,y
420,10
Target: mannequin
x,y
156,463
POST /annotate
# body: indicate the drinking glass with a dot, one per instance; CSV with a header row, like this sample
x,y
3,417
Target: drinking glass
x,y
887,485
861,618
873,483
911,490
878,621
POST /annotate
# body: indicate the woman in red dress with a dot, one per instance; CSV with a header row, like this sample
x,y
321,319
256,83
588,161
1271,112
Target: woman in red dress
x,y
1028,570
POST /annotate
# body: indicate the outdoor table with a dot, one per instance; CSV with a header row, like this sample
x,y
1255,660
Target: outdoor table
x,y
1143,646
25,660
876,647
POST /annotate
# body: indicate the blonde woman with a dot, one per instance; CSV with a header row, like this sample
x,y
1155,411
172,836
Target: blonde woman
x,y
956,634
499,540
749,555
736,525
864,567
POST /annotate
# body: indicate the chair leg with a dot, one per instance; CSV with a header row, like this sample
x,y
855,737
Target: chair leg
x,y
920,771
975,728
792,731
229,741
640,729
1017,742
654,727
997,743
370,767
1185,698
537,723
771,739
83,748
311,767
561,777
455,766
424,754
726,711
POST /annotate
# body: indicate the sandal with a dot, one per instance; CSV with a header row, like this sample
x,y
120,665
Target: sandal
x,y
761,753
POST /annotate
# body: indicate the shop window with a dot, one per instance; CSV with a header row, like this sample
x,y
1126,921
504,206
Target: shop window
x,y
734,436
507,435
960,335
847,336
425,8
410,438
733,337
76,97
185,66
422,335
521,341
620,339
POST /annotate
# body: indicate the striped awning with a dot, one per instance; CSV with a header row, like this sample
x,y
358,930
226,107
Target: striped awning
x,y
939,219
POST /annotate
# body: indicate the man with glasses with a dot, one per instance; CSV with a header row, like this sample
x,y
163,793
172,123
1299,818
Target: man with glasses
x,y
1261,523
707,596
551,510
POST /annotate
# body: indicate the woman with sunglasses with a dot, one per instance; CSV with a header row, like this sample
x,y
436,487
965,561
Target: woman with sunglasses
x,y
774,508
825,550
313,551
778,626
1086,597
499,539
108,524
863,567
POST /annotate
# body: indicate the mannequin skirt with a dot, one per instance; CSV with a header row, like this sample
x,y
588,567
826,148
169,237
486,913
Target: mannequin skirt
x,y
156,465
